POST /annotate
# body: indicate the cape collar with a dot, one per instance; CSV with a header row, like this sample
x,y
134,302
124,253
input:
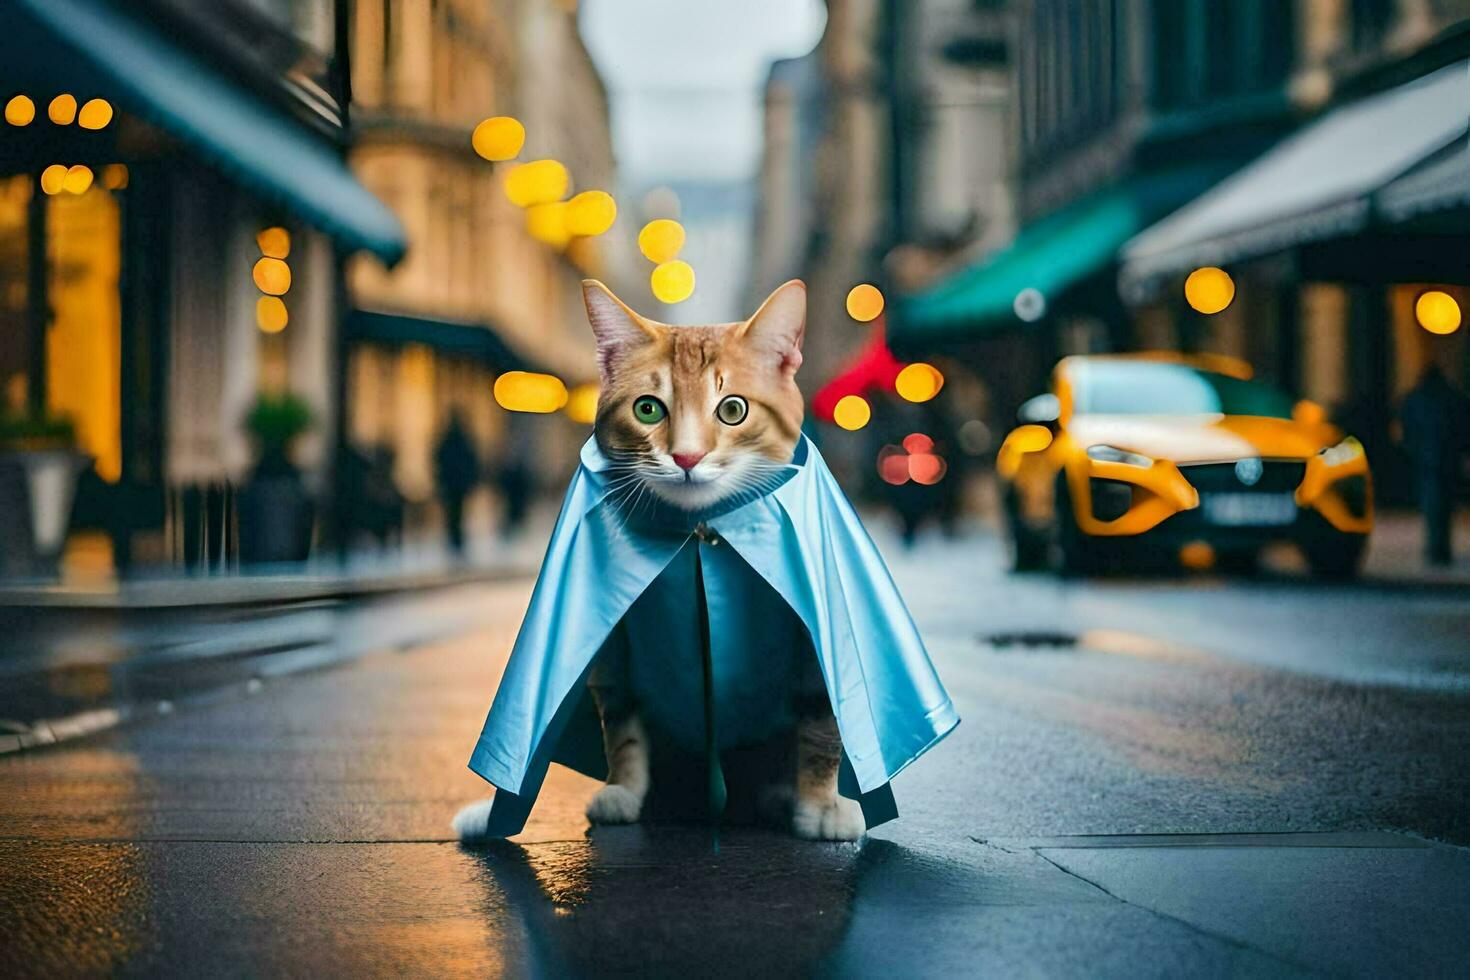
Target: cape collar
x,y
655,513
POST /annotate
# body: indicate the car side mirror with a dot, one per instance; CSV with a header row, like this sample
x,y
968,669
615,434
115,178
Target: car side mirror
x,y
1044,409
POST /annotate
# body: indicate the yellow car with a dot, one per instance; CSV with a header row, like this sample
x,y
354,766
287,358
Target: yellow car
x,y
1180,457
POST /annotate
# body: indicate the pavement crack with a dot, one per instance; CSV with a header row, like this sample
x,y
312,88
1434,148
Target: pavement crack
x,y
1230,941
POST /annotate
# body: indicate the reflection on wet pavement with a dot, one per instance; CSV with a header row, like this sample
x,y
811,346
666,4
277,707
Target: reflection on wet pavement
x,y
667,893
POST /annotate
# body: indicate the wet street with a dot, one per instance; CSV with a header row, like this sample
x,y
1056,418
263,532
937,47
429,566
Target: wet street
x,y
1152,777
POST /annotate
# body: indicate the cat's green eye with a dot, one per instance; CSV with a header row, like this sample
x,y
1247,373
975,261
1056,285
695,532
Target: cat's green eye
x,y
732,410
649,410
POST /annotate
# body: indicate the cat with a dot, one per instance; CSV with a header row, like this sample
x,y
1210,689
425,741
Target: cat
x,y
695,415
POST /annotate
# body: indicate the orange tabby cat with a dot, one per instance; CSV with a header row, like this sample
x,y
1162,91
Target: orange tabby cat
x,y
693,416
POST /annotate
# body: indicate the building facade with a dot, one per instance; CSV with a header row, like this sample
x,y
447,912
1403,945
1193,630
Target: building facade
x,y
291,147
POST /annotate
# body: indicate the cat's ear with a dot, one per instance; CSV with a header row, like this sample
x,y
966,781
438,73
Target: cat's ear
x,y
777,329
617,328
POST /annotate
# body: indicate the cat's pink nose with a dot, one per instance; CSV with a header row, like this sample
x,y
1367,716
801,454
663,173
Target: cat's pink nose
x,y
687,461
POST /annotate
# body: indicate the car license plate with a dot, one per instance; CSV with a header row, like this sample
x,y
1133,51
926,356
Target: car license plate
x,y
1249,509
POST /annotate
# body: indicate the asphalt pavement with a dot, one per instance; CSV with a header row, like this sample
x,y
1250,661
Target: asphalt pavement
x,y
1153,777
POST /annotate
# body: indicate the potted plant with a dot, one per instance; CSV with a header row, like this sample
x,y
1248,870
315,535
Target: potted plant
x,y
275,510
39,467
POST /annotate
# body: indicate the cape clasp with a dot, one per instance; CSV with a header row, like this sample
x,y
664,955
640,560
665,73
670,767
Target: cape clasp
x,y
706,534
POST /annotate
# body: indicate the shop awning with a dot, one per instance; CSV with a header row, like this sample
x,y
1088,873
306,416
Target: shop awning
x,y
1315,185
1047,258
476,341
94,47
1441,184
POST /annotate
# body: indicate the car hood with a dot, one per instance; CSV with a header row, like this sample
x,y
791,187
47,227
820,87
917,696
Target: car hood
x,y
1203,438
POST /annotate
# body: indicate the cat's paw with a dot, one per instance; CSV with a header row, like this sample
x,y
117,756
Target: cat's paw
x,y
472,823
614,804
835,819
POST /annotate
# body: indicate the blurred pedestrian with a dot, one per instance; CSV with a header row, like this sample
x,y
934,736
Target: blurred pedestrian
x,y
514,477
458,470
1436,419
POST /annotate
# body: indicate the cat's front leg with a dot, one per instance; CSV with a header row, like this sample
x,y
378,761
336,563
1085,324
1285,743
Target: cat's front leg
x,y
626,744
818,812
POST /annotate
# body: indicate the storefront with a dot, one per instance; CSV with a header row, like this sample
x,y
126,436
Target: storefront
x,y
140,186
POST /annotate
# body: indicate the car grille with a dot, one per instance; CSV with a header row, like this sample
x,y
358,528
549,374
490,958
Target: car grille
x,y
1276,476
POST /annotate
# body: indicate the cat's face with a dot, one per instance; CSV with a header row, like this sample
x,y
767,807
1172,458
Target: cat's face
x,y
696,414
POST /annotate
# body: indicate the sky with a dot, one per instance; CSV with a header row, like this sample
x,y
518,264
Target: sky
x,y
684,81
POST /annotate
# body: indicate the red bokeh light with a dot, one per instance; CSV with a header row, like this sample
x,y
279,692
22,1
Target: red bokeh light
x,y
926,468
917,442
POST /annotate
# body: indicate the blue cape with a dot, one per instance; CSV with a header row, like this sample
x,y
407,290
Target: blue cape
x,y
800,537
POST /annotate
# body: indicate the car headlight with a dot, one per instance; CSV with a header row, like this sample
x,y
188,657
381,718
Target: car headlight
x,y
1344,452
1112,454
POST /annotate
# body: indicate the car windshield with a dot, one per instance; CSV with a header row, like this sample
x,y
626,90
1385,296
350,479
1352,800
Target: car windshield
x,y
1145,388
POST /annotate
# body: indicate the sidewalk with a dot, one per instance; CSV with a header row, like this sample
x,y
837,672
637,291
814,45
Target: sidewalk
x,y
412,565
302,828
1396,554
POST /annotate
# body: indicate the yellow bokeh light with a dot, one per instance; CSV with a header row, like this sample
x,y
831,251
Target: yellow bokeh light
x,y
524,391
1437,312
591,213
78,179
272,276
852,412
95,114
548,223
672,282
1197,555
499,138
582,404
919,382
1209,290
537,182
63,110
270,314
1029,439
53,178
864,302
115,176
661,239
274,242
20,111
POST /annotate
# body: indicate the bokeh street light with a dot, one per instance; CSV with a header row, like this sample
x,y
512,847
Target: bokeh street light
x,y
527,391
1437,312
20,111
852,412
274,242
53,179
548,223
272,276
270,314
919,382
537,182
499,138
1209,290
78,179
591,213
62,110
95,114
582,404
864,302
672,282
660,240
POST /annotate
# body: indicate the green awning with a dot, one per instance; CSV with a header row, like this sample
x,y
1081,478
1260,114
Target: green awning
x,y
1047,259
95,48
475,341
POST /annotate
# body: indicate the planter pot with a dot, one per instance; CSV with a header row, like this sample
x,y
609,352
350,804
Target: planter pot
x,y
37,490
276,515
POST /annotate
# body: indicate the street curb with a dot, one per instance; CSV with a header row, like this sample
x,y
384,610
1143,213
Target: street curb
x,y
245,591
